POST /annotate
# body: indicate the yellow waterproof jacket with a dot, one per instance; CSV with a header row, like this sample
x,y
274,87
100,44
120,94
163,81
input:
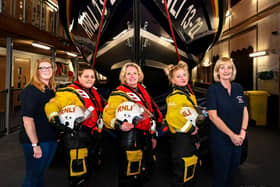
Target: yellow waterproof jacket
x,y
175,101
63,97
115,99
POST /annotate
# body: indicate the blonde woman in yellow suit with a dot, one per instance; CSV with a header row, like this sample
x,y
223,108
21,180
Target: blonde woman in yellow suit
x,y
181,116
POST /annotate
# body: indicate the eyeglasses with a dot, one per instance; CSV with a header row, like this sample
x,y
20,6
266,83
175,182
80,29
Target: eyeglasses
x,y
44,68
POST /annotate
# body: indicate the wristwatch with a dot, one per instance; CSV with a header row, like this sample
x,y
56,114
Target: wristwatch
x,y
35,144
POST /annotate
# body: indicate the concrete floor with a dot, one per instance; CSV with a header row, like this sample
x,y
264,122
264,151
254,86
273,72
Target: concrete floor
x,y
260,170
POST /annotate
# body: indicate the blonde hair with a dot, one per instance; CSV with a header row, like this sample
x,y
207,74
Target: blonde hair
x,y
124,69
172,68
35,78
222,61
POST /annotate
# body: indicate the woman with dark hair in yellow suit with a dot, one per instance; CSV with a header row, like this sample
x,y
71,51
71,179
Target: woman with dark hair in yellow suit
x,y
181,118
80,140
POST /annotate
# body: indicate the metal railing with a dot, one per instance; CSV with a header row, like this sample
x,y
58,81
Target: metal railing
x,y
14,113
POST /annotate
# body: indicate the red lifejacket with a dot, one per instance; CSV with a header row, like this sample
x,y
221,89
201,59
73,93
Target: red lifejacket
x,y
143,98
91,98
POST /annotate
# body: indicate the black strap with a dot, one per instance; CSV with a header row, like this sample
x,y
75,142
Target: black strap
x,y
144,101
139,94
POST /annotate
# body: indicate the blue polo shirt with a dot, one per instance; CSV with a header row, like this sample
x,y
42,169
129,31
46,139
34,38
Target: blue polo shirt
x,y
229,109
32,105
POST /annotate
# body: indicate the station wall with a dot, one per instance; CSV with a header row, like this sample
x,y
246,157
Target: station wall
x,y
263,34
25,58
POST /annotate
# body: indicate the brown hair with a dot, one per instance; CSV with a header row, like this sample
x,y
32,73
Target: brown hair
x,y
35,78
124,68
83,67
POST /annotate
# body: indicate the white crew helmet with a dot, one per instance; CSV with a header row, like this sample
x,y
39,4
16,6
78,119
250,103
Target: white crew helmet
x,y
190,114
127,111
71,114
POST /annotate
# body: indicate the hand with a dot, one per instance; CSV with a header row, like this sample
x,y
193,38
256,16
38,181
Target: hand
x,y
37,152
237,140
195,131
126,126
154,143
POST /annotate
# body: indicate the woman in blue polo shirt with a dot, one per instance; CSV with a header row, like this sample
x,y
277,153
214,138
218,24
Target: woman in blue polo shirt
x,y
37,137
229,116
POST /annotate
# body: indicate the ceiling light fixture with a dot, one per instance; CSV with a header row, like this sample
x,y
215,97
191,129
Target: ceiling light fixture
x,y
166,39
70,54
206,63
34,44
52,5
258,54
228,13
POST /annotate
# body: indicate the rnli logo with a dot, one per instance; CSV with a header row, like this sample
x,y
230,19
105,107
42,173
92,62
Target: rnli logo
x,y
125,108
68,110
186,112
240,99
134,97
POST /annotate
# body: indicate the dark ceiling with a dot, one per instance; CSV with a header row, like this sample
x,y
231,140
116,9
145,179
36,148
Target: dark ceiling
x,y
23,35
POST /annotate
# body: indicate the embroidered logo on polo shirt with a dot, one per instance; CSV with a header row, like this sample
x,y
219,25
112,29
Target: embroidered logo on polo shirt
x,y
239,99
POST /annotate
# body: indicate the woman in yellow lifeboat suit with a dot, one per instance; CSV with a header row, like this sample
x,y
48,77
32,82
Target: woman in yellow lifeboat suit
x,y
181,116
135,137
81,143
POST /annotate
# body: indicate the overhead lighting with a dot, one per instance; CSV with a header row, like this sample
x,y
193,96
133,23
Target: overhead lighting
x,y
22,59
228,13
52,5
206,63
166,39
258,54
70,54
41,46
